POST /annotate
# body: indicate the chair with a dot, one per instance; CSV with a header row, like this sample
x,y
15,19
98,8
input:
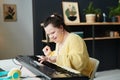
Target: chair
x,y
96,62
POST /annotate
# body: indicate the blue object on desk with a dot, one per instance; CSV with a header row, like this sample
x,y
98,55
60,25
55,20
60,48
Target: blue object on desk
x,y
3,73
14,74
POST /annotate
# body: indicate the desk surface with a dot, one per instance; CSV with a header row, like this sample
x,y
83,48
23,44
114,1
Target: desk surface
x,y
13,63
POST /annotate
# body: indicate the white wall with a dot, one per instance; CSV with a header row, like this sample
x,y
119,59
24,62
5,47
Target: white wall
x,y
16,38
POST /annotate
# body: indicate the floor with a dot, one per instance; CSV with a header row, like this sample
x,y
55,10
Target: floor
x,y
108,75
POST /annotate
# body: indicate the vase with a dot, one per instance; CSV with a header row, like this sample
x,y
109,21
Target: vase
x,y
90,18
118,18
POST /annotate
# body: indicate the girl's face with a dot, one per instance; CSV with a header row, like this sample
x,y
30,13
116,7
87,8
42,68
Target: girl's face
x,y
55,34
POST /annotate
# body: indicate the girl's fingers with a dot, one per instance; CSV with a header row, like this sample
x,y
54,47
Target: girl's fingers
x,y
42,58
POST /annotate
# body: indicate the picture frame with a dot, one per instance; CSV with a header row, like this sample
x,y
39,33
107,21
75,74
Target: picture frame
x,y
70,12
9,12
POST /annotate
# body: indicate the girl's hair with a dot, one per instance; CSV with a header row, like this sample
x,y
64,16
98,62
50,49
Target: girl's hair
x,y
56,20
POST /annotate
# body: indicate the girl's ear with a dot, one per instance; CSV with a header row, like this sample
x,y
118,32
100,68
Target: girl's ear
x,y
61,26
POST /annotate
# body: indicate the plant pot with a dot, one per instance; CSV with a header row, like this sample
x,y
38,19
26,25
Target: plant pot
x,y
118,18
90,18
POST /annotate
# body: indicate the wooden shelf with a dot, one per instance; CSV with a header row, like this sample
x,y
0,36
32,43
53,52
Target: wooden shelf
x,y
101,38
96,23
96,38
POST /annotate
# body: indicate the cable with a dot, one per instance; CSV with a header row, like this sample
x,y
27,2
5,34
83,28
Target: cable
x,y
17,64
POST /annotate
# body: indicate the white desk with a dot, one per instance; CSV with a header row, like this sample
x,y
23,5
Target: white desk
x,y
9,64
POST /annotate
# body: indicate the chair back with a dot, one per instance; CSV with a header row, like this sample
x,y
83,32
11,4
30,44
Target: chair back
x,y
96,62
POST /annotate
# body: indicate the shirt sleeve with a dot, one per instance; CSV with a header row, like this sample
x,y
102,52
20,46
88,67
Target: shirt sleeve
x,y
52,54
77,56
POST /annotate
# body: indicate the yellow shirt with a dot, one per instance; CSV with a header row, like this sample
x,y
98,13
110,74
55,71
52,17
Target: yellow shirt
x,y
74,54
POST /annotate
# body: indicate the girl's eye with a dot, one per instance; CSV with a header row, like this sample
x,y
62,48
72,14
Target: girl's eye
x,y
52,32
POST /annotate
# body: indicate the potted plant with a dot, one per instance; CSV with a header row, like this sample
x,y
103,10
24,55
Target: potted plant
x,y
114,12
91,12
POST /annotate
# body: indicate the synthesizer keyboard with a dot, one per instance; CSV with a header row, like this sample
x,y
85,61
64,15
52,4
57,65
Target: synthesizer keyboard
x,y
47,70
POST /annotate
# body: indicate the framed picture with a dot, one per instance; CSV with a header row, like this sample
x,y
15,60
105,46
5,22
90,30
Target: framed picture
x,y
70,12
9,12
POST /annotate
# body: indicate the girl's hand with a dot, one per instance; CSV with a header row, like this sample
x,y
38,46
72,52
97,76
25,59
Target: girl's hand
x,y
46,50
42,58
45,58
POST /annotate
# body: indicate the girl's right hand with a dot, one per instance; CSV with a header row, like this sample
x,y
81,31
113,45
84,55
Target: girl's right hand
x,y
42,58
46,50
